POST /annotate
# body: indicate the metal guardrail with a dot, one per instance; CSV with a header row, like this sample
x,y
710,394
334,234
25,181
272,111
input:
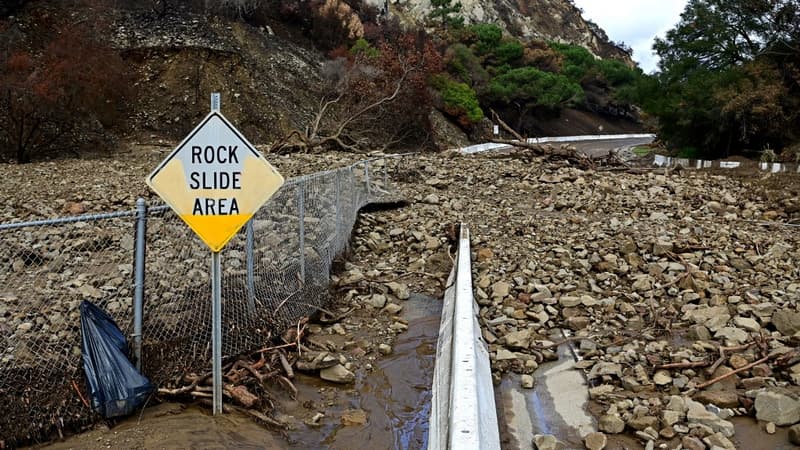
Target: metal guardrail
x,y
463,413
544,140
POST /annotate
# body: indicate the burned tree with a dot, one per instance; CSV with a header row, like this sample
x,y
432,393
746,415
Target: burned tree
x,y
375,98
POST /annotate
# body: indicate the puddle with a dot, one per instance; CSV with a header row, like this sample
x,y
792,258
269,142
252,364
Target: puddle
x,y
396,395
556,405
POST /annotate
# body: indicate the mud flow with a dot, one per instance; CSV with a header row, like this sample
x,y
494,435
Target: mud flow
x,y
386,408
395,396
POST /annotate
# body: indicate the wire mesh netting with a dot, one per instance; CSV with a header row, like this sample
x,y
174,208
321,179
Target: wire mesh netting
x,y
274,271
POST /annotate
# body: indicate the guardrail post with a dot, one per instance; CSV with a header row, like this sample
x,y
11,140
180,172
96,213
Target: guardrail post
x,y
251,289
138,286
301,213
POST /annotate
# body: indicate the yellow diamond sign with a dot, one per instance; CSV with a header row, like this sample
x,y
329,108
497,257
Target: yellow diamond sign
x,y
215,180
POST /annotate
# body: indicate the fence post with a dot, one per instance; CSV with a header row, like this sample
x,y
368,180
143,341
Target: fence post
x,y
138,286
301,213
251,289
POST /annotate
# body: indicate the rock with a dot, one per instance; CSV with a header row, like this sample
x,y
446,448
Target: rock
x,y
746,323
431,199
719,441
377,301
354,417
703,314
484,254
384,349
399,290
786,321
777,407
500,289
737,361
518,339
337,374
505,355
671,417
721,398
661,248
392,308
74,208
605,368
526,381
577,322
569,302
734,336
698,333
642,422
794,434
662,377
611,424
770,428
546,442
595,441
697,414
692,443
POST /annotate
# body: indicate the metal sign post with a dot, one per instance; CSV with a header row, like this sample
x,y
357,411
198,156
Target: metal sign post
x,y
215,180
216,331
216,310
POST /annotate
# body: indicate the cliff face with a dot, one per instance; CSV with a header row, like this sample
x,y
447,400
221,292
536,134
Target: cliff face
x,y
549,20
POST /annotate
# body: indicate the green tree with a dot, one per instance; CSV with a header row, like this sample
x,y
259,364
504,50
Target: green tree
x,y
447,12
729,76
534,88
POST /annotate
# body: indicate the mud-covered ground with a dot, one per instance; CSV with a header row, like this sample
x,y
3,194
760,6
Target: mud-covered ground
x,y
668,278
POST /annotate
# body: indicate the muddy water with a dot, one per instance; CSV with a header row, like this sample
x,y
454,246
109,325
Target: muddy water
x,y
556,405
395,395
751,435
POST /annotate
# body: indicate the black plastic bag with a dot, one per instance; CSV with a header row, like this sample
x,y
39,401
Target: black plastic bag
x,y
115,386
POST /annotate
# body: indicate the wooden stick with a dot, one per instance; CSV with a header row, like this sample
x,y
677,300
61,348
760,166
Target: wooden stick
x,y
732,372
682,365
269,349
286,366
506,127
177,391
78,391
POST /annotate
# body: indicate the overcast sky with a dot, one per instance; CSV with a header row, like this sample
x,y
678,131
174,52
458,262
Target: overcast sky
x,y
635,22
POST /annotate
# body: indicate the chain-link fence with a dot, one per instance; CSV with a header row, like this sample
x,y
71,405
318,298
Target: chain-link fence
x,y
275,270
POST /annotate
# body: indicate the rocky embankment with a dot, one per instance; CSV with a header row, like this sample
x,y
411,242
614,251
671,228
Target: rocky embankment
x,y
680,288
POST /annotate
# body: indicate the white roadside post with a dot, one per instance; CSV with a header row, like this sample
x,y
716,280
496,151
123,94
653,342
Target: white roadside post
x,y
215,180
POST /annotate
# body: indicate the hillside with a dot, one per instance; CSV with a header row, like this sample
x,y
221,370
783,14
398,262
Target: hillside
x,y
153,65
547,20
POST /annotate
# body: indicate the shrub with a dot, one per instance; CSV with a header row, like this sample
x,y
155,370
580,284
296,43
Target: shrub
x,y
487,37
507,52
459,100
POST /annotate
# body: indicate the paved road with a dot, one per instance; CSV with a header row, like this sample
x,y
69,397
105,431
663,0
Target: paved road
x,y
601,147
